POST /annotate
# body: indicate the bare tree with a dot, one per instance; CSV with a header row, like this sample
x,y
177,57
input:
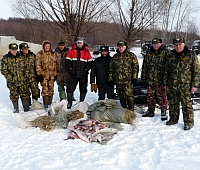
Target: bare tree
x,y
71,18
136,15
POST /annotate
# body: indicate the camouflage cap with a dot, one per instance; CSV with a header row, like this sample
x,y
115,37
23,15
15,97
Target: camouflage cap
x,y
178,40
13,46
61,42
121,43
23,46
156,40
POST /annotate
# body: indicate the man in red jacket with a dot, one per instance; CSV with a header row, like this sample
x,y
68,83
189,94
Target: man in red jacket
x,y
78,62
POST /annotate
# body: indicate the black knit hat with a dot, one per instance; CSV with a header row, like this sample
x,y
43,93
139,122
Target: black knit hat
x,y
104,48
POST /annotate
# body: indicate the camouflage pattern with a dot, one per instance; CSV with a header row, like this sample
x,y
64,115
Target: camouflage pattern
x,y
125,91
123,69
181,74
46,66
14,70
153,67
32,76
156,94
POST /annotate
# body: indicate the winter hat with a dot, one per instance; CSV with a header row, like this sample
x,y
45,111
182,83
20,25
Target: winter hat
x,y
13,46
179,40
156,40
80,39
61,43
121,43
104,48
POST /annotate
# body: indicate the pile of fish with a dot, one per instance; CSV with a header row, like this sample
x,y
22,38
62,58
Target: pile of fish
x,y
91,131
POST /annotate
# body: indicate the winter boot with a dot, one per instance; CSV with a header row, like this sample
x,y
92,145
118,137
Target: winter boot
x,y
130,105
25,104
69,99
123,103
149,113
62,94
163,113
82,97
16,106
45,102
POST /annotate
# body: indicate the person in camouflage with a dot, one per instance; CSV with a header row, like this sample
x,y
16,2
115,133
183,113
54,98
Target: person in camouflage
x,y
32,78
182,77
46,71
123,71
14,70
152,75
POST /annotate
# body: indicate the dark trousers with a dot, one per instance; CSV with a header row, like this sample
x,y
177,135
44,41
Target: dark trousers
x,y
73,81
103,90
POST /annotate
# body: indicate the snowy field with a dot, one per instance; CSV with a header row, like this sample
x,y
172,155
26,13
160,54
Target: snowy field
x,y
150,146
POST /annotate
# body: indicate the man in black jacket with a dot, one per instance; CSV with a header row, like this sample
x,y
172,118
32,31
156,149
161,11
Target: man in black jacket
x,y
99,71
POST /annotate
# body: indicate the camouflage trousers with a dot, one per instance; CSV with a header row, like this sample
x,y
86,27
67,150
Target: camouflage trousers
x,y
155,95
18,91
183,96
47,87
125,91
34,89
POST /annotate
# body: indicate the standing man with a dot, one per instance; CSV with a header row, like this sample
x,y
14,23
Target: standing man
x,y
62,72
14,70
78,62
182,78
100,68
123,72
46,71
153,68
32,76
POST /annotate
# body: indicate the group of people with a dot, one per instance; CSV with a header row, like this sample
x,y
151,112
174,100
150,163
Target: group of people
x,y
176,71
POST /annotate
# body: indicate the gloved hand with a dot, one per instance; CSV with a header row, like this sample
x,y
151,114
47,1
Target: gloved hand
x,y
40,78
133,81
55,78
94,87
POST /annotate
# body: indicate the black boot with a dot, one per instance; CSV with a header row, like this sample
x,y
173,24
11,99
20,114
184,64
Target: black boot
x,y
163,113
69,99
149,113
25,104
82,97
16,106
123,103
29,100
130,105
45,102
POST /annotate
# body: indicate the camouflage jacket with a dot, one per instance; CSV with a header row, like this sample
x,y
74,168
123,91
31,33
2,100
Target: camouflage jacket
x,y
30,64
182,70
153,67
46,64
14,69
123,67
60,57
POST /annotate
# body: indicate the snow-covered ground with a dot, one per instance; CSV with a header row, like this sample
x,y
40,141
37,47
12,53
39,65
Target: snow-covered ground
x,y
150,146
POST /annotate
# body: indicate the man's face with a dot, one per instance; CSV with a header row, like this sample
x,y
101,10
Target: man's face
x,y
179,47
79,44
47,48
13,52
61,47
157,46
122,48
25,51
104,53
